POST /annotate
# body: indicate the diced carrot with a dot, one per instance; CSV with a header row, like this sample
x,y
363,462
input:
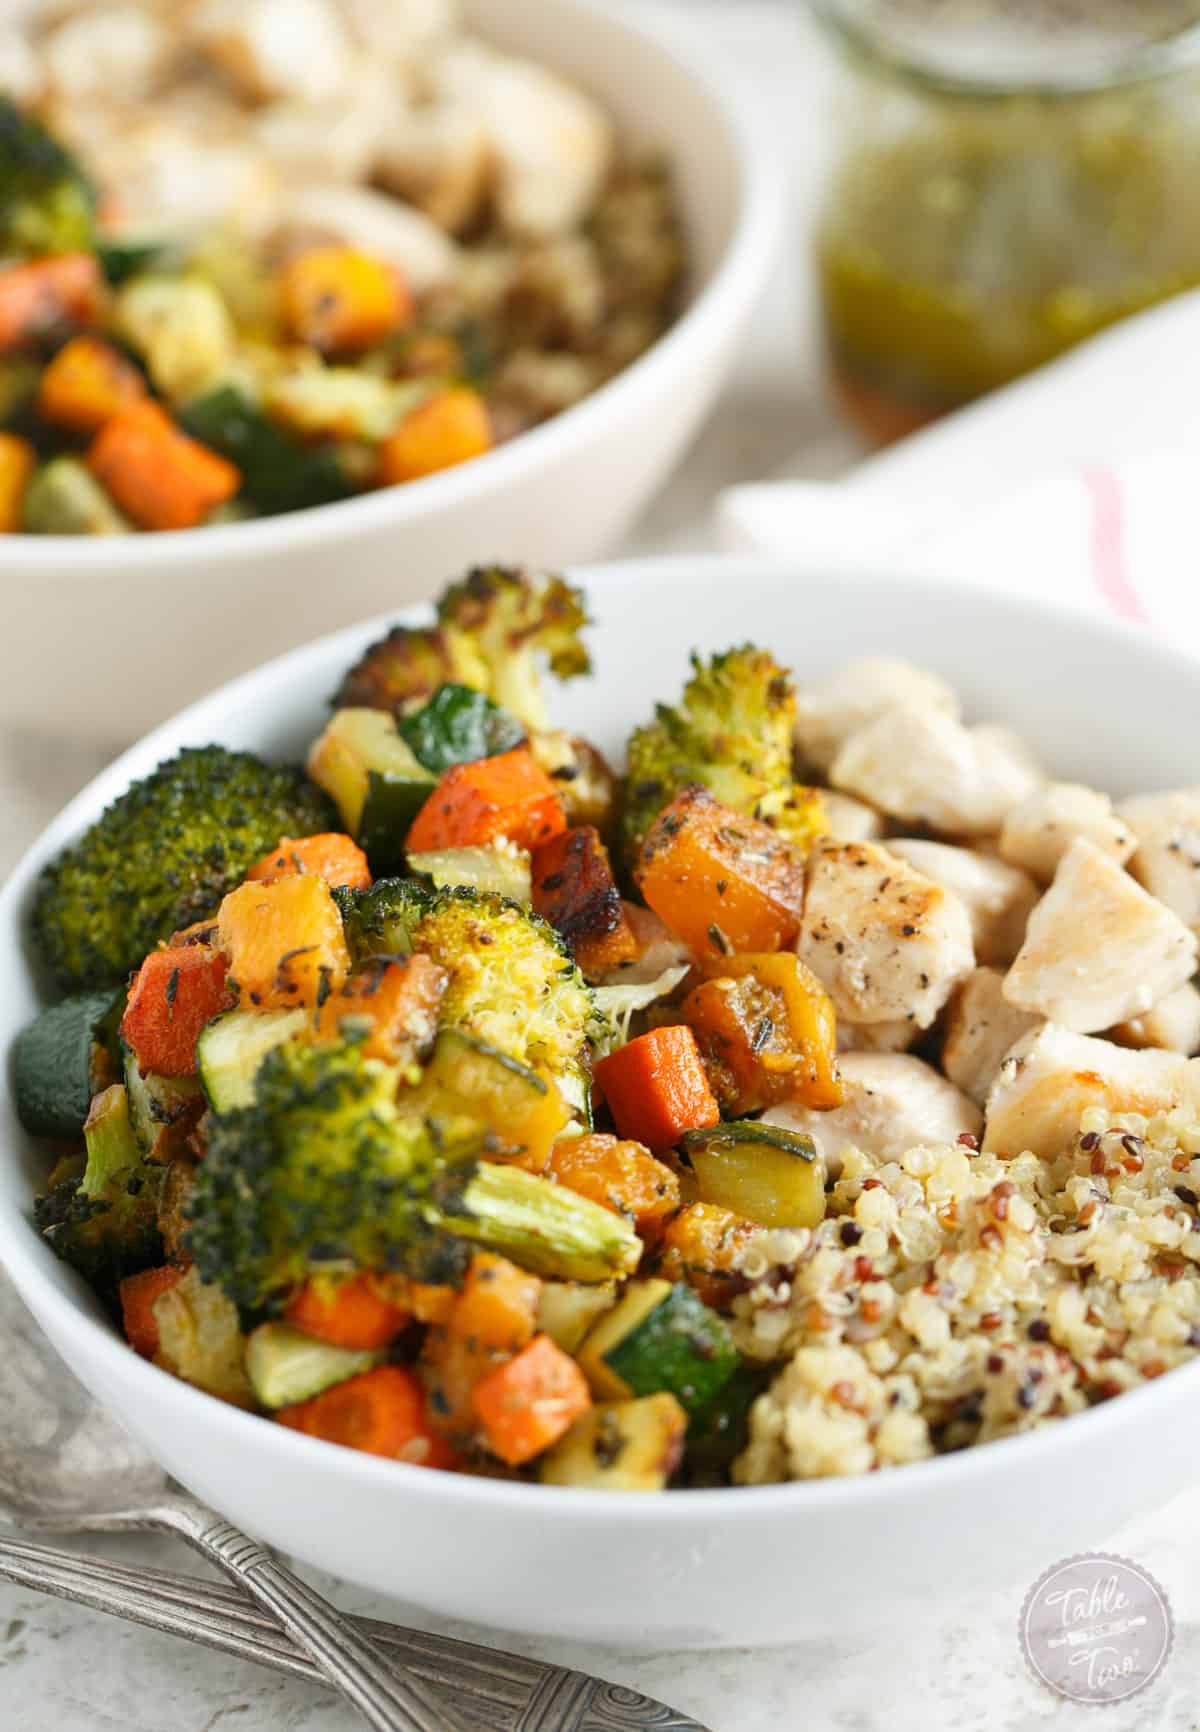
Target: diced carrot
x,y
656,1087
395,1002
474,804
622,1176
174,993
18,460
339,300
767,1032
493,1317
528,1404
381,1412
704,1246
721,881
332,856
86,383
348,1313
575,890
285,943
158,476
38,297
446,429
138,1294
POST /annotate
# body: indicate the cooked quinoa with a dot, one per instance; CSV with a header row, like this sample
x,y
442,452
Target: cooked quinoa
x,y
951,1297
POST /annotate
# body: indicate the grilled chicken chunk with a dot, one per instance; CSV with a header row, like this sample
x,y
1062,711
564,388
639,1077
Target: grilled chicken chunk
x,y
894,1102
924,767
999,898
886,942
1053,1076
828,712
1038,832
1098,948
1167,857
1173,1024
980,1027
850,820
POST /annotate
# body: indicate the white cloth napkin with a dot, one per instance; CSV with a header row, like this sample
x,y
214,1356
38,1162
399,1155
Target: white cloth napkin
x,y
1081,482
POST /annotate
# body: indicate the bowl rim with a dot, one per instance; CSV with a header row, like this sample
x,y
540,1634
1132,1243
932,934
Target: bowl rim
x,y
103,1348
732,283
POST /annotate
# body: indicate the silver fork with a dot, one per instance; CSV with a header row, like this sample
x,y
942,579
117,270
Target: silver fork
x,y
65,1467
496,1692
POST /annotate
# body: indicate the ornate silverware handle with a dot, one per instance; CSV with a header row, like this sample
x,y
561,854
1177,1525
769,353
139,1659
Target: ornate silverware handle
x,y
497,1692
388,1699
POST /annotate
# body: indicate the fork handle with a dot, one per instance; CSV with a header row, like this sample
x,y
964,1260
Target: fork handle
x,y
388,1699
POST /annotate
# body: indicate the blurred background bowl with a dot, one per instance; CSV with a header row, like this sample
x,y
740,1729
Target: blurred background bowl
x,y
106,636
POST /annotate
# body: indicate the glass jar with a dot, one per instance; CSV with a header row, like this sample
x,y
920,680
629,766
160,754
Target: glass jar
x,y
1009,178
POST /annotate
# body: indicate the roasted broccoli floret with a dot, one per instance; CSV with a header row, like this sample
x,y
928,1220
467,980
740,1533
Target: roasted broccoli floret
x,y
513,982
163,855
322,1172
491,633
732,733
105,1224
47,203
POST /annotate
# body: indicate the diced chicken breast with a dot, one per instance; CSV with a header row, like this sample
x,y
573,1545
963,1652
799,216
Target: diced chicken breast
x,y
376,223
1038,832
116,53
438,156
981,1025
828,712
333,140
1173,1024
924,767
893,1103
1098,949
1167,857
296,49
999,898
887,942
850,820
395,29
895,1036
552,144
22,73
1053,1076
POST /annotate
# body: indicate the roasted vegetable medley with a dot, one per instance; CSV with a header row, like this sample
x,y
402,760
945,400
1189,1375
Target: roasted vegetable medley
x,y
458,1100
162,368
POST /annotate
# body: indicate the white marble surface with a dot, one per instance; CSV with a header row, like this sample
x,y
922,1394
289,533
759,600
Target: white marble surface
x,y
67,1670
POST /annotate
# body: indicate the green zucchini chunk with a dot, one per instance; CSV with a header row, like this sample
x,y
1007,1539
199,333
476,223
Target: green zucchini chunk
x,y
621,1446
60,1061
284,1365
231,1048
160,1107
660,1337
764,1173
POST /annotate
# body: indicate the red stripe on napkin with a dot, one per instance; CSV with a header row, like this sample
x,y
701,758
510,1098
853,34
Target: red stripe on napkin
x,y
1109,570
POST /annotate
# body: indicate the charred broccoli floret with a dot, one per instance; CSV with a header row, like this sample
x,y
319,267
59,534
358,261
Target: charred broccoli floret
x,y
105,1224
47,203
491,632
732,733
513,982
322,1172
163,855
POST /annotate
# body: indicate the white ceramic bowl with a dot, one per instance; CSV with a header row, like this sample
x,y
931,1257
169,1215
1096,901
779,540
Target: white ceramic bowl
x,y
106,636
708,1568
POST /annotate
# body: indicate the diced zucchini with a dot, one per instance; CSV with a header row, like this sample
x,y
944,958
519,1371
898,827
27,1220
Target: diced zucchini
x,y
502,867
568,1309
459,725
375,781
61,1060
64,498
278,474
285,1365
659,1337
161,1108
316,402
111,1144
121,260
720,1429
540,1225
763,1173
180,327
467,1078
231,1048
621,1446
